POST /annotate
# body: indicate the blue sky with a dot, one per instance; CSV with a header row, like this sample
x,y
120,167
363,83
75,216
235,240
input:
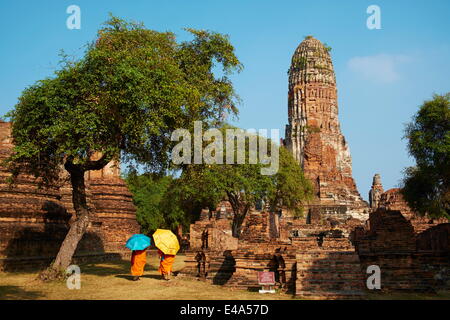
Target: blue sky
x,y
382,75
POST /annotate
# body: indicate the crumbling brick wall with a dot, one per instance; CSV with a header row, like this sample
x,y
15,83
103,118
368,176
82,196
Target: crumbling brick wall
x,y
34,222
393,199
407,260
321,255
257,250
435,239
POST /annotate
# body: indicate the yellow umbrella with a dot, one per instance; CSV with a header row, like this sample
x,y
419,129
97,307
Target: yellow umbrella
x,y
166,241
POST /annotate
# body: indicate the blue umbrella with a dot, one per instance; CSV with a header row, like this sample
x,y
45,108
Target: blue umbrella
x,y
138,242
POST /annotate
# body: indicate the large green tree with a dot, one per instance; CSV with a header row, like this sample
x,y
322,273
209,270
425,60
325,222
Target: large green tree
x,y
148,193
153,196
244,184
426,187
290,188
121,100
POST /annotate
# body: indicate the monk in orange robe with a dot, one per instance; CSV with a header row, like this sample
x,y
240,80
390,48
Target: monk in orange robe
x,y
165,264
138,261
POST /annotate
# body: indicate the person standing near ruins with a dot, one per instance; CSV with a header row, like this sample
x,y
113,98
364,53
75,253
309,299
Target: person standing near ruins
x,y
138,245
138,261
165,264
167,243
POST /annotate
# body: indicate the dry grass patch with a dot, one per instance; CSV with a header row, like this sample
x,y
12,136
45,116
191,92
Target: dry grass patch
x,y
112,281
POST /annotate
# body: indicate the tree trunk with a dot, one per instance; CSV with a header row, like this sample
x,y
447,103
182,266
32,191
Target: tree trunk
x,y
238,219
77,228
240,211
81,223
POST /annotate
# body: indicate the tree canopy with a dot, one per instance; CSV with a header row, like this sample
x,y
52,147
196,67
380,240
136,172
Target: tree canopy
x,y
243,185
121,100
154,197
132,88
426,187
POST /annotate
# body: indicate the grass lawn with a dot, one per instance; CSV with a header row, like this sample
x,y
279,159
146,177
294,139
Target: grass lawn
x,y
112,281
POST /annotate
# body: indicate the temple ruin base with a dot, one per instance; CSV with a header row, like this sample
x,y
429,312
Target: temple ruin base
x,y
320,258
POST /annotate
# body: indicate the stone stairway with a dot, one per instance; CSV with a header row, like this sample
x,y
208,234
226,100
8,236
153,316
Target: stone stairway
x,y
332,271
221,269
329,275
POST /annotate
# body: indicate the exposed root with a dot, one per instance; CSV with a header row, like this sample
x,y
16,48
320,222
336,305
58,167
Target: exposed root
x,y
51,274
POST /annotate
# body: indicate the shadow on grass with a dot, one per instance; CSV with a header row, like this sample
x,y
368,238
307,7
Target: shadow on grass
x,y
152,276
125,276
148,276
111,268
17,293
106,269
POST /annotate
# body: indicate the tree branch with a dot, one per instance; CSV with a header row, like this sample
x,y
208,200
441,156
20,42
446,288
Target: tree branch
x,y
96,164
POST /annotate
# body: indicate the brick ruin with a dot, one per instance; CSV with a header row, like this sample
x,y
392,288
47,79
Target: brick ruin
x,y
325,254
392,199
34,222
322,255
375,192
322,259
314,136
409,260
412,251
313,260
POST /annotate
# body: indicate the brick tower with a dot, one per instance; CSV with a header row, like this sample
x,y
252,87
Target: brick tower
x,y
313,134
375,192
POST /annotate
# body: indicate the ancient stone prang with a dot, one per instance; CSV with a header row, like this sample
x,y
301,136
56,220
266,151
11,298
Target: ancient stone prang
x,y
313,133
375,192
326,253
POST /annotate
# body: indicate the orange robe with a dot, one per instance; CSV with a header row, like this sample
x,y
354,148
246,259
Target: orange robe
x,y
138,260
166,263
